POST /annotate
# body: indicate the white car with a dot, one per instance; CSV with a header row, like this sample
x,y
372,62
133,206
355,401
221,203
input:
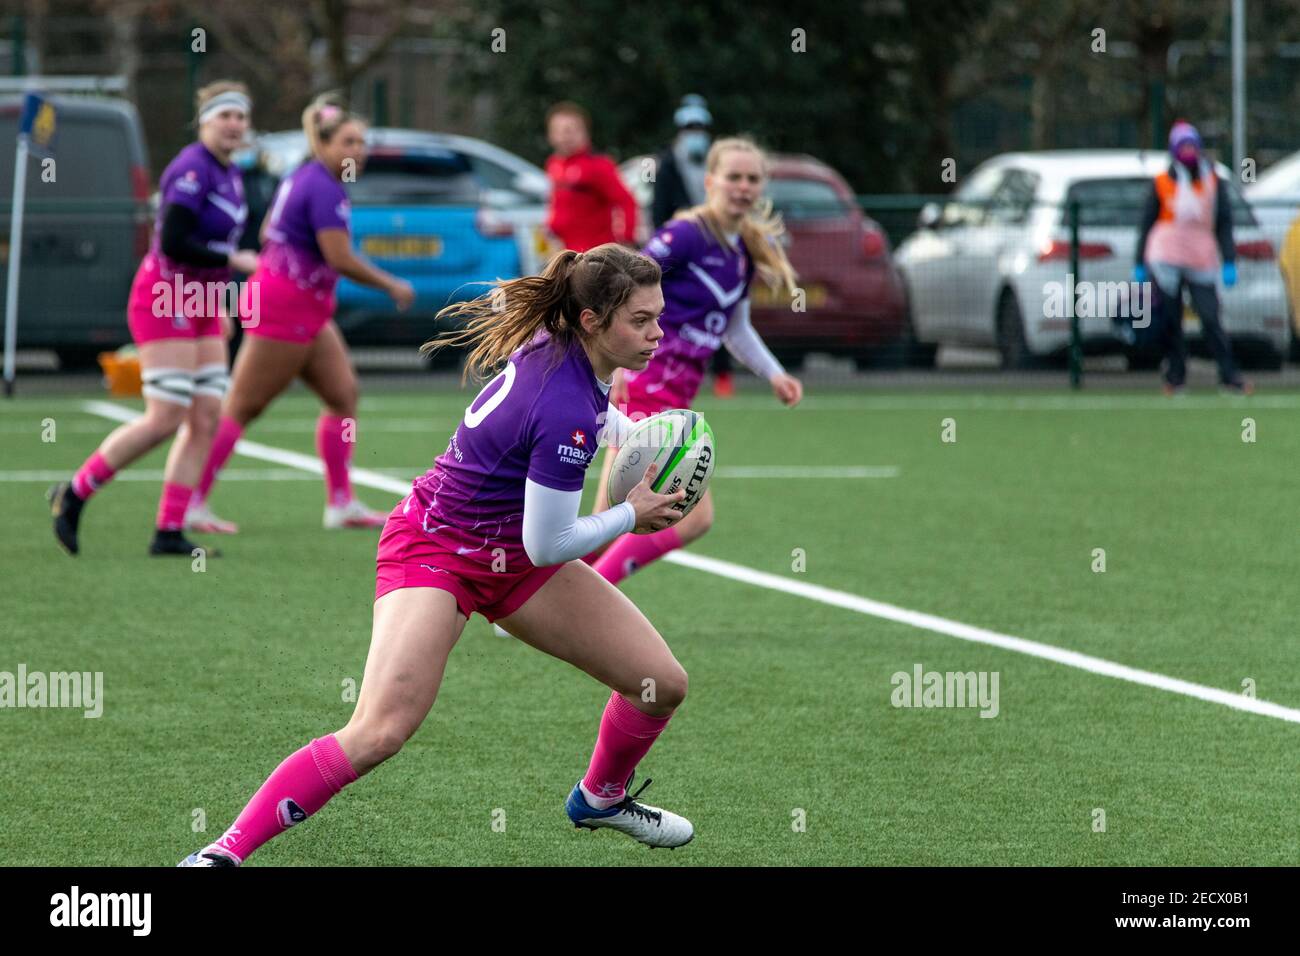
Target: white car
x,y
1275,198
990,267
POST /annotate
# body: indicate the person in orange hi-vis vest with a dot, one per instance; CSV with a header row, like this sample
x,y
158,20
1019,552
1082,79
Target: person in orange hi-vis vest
x,y
1185,239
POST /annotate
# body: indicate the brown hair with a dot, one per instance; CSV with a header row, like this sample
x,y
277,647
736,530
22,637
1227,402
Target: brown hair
x,y
760,228
573,109
216,88
601,279
323,117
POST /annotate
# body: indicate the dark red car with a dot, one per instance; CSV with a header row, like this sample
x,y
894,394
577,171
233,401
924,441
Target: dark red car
x,y
853,295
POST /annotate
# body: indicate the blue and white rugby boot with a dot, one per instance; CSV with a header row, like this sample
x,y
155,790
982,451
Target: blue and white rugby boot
x,y
650,825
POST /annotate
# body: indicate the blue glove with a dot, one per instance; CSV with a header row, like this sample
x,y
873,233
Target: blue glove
x,y
1229,274
1139,273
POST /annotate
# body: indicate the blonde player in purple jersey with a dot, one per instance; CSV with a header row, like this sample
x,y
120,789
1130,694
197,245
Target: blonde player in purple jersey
x,y
306,247
709,255
493,527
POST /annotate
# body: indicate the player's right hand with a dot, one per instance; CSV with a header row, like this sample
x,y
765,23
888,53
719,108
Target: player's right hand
x,y
654,512
402,294
243,260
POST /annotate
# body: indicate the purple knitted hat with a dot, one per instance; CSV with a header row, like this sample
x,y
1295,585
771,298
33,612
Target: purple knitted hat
x,y
1183,132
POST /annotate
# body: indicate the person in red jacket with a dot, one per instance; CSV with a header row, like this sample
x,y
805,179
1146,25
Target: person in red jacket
x,y
589,203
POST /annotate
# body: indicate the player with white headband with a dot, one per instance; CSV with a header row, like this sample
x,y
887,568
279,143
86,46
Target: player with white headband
x,y
180,314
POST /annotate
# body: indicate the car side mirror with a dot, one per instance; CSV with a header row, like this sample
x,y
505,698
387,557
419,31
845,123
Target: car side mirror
x,y
930,216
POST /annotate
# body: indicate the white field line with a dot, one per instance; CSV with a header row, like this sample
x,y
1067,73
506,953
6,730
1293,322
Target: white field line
x,y
291,474
834,598
280,456
156,475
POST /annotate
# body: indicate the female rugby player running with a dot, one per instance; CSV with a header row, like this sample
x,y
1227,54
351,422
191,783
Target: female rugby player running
x,y
493,527
708,255
306,247
182,343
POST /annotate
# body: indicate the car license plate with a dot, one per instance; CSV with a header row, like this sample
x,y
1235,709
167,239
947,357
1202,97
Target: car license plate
x,y
762,296
402,247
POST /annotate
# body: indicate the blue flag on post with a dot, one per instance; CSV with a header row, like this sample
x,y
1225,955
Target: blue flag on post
x,y
40,124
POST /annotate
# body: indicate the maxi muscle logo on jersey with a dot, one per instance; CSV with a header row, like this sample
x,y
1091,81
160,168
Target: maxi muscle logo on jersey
x,y
575,453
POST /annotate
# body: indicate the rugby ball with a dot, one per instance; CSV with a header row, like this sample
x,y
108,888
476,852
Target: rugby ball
x,y
680,442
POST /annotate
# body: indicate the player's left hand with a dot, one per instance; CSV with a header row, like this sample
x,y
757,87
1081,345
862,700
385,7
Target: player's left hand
x,y
788,389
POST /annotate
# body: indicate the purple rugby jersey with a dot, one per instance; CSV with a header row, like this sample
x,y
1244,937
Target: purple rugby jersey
x,y
702,284
196,180
539,419
310,199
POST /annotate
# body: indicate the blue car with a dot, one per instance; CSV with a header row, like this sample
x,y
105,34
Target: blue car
x,y
417,212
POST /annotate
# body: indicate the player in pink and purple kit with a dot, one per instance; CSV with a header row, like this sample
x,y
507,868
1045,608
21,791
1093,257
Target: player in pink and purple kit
x,y
709,255
493,527
290,330
181,301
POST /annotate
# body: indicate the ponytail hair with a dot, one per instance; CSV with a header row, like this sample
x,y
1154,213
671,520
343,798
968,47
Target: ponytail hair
x,y
322,119
760,228
517,310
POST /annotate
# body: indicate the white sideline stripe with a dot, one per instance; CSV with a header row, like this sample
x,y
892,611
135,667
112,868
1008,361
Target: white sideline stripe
x,y
293,474
280,456
810,471
979,635
841,599
957,402
156,476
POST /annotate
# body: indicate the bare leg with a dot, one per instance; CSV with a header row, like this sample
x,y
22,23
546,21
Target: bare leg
x,y
133,440
413,634
190,449
581,618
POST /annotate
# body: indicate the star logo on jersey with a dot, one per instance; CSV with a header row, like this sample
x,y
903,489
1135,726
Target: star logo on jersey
x,y
579,438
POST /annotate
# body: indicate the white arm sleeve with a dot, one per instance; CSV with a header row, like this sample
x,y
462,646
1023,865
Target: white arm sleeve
x,y
743,342
553,532
616,428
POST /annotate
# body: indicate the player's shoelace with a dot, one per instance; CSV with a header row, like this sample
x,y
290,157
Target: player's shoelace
x,y
629,805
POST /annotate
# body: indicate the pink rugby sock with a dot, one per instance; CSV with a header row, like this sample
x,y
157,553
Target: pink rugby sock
x,y
632,552
93,474
626,735
302,784
335,452
228,434
171,506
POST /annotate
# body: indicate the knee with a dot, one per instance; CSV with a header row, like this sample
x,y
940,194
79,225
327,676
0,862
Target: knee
x,y
378,740
343,403
670,688
244,411
697,524
163,419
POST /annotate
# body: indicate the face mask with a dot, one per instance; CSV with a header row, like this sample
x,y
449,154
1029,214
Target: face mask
x,y
696,145
1188,157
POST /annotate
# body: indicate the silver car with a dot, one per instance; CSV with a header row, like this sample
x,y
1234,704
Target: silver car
x,y
991,266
